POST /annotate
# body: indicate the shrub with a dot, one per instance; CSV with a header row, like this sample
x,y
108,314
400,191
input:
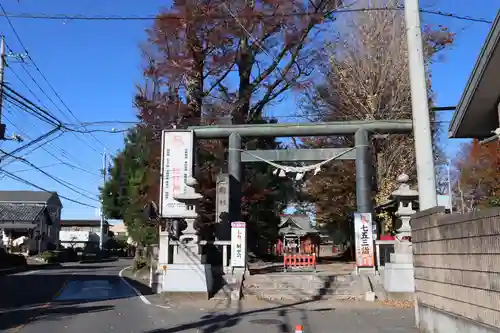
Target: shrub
x,y
49,256
140,263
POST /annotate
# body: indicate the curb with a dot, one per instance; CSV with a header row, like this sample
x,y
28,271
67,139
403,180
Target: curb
x,y
137,292
14,270
93,261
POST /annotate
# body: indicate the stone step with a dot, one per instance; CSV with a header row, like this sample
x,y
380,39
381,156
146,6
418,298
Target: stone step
x,y
317,280
226,291
296,286
253,280
302,297
345,287
332,291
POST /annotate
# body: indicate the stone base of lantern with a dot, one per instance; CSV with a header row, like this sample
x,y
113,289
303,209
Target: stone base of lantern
x,y
398,274
188,278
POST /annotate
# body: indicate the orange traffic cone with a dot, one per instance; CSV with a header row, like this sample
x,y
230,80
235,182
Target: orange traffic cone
x,y
299,329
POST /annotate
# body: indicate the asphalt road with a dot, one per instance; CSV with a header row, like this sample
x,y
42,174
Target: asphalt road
x,y
92,298
74,298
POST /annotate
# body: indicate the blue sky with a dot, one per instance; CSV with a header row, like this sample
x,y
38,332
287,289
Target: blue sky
x,y
94,67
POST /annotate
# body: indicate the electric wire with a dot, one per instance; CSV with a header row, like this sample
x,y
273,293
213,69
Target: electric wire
x,y
14,102
48,151
74,188
21,43
26,182
76,17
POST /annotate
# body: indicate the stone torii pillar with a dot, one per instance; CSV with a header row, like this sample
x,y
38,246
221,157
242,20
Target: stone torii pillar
x,y
235,177
364,200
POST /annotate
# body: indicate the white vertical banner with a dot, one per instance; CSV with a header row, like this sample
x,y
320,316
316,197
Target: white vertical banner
x,y
176,167
363,232
238,244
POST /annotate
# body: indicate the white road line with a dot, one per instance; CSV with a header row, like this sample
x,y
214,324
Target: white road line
x,y
141,296
22,308
28,272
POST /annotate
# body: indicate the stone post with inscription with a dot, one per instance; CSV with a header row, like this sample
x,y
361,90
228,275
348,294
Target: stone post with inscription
x,y
398,274
223,227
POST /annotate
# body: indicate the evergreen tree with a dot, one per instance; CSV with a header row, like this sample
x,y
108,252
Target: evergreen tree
x,y
124,195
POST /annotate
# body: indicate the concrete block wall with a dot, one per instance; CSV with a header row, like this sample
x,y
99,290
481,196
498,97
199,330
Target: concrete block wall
x,y
457,270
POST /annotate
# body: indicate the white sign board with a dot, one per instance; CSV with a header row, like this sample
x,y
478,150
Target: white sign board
x,y
238,244
363,231
72,236
177,166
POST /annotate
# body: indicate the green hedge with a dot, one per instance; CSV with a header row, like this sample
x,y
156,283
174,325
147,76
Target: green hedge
x,y
50,256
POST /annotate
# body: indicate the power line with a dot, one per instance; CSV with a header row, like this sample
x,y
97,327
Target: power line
x,y
44,77
63,152
37,140
23,66
41,144
24,181
42,167
62,182
138,122
69,17
29,106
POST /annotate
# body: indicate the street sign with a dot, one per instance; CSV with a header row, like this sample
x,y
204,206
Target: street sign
x,y
176,166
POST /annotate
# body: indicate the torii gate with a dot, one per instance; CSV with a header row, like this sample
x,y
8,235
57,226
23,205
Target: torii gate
x,y
361,153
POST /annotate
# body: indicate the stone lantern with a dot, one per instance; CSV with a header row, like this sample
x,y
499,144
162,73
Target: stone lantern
x,y
187,273
405,198
188,247
398,274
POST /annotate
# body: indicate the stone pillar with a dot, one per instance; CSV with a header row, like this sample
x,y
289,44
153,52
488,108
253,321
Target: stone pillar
x,y
234,171
398,274
364,201
222,197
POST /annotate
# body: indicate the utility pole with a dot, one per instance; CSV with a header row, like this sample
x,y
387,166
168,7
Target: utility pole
x,y
427,195
2,69
104,165
3,64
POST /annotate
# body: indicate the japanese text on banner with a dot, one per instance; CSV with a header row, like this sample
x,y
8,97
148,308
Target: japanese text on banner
x,y
364,240
238,244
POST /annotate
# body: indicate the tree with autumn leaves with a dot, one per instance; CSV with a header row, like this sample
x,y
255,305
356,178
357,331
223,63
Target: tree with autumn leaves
x,y
210,62
367,78
477,181
216,61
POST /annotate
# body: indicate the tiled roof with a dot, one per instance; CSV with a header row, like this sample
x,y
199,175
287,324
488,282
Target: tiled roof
x,y
81,223
11,212
301,221
25,196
